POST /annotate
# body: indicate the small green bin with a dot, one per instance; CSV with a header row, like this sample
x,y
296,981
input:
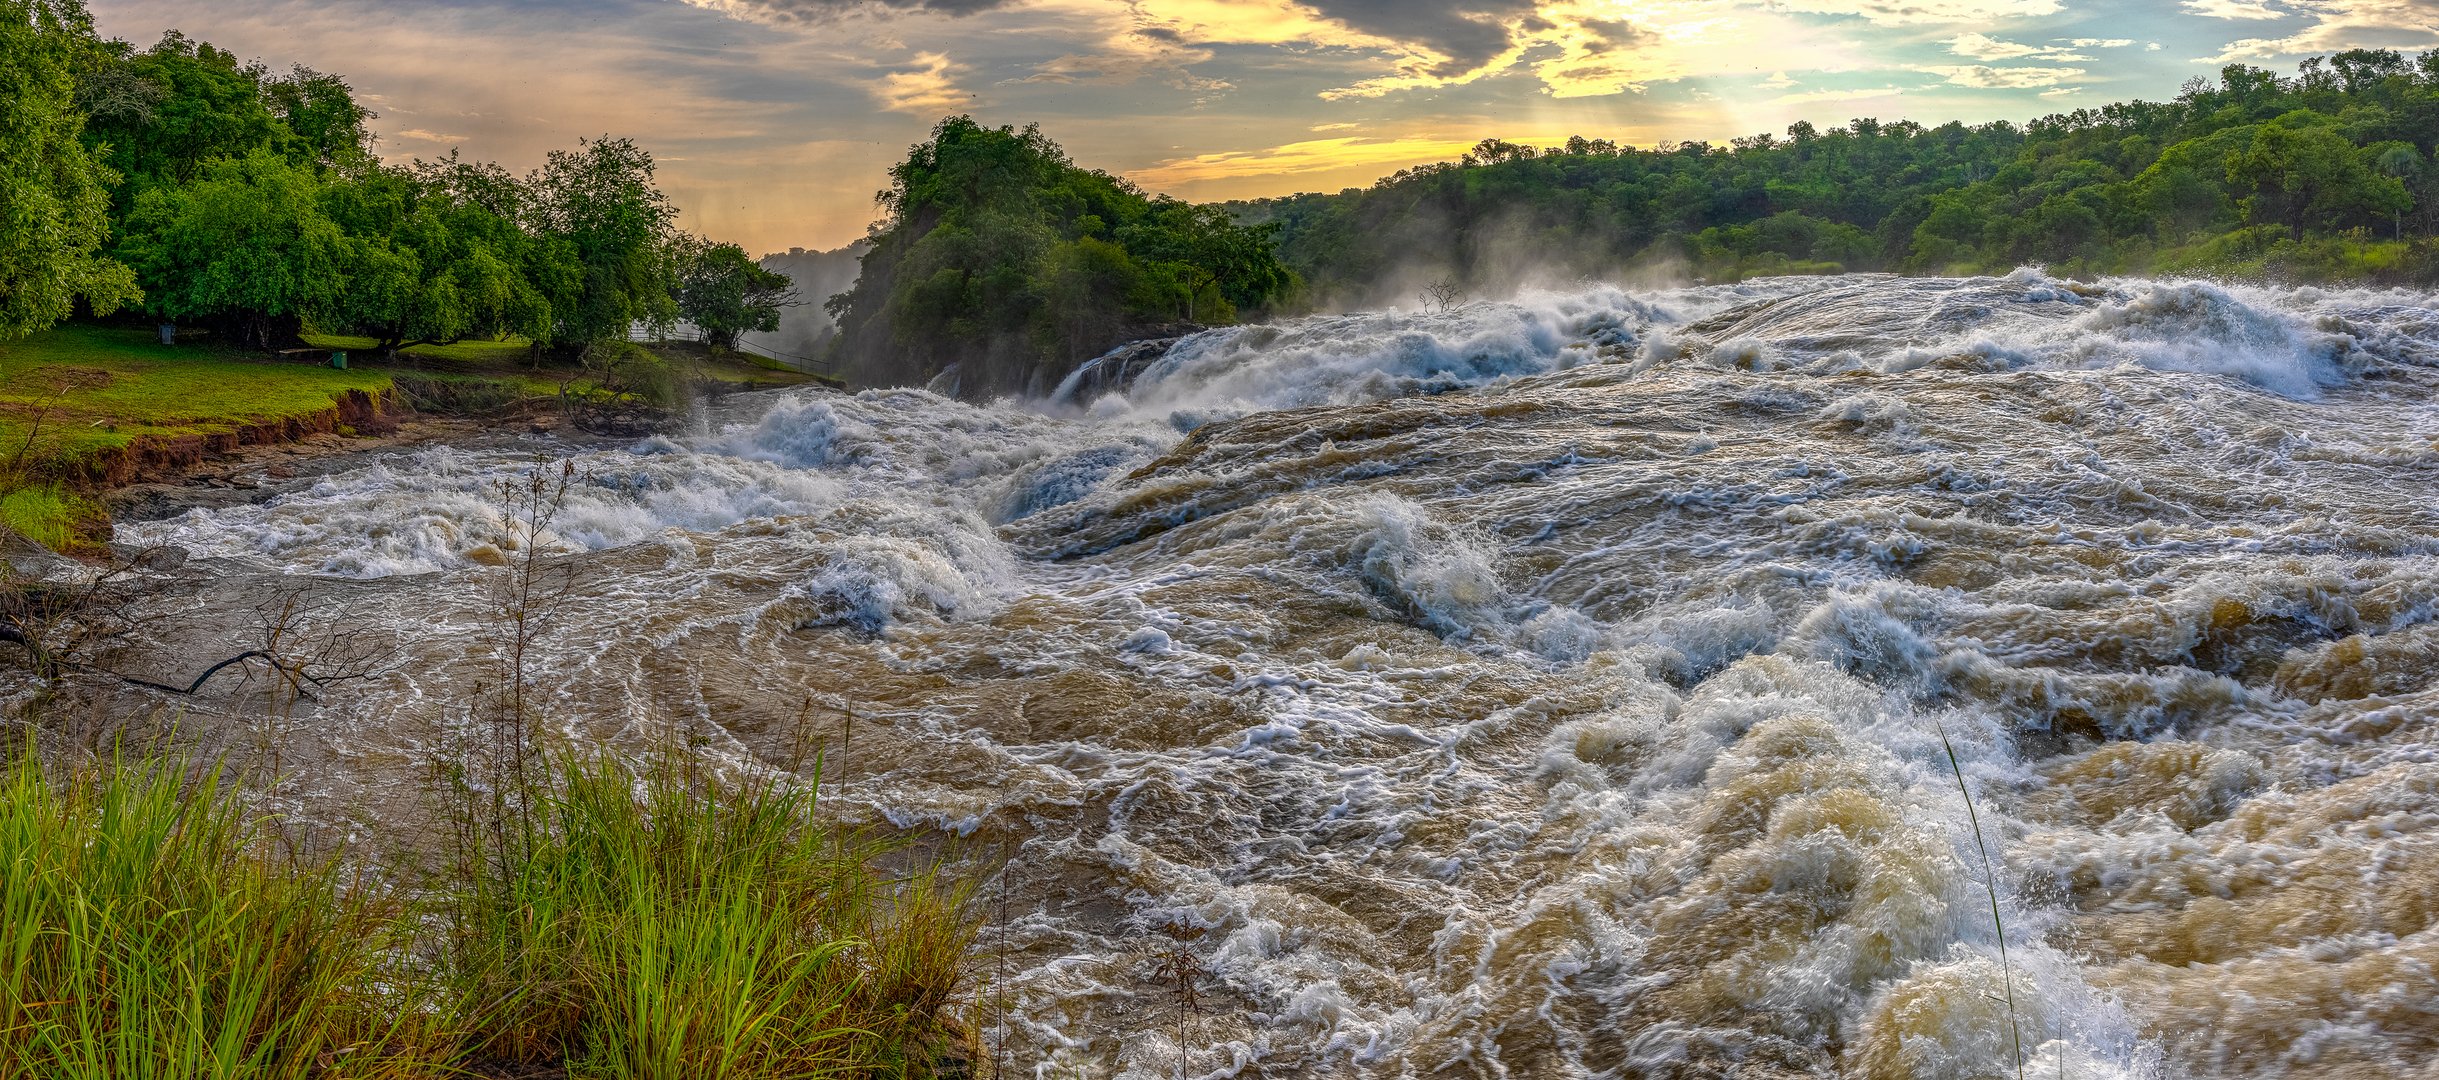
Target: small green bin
x,y
339,360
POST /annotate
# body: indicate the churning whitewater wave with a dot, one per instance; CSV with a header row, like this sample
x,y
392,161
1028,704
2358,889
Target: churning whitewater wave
x,y
1597,684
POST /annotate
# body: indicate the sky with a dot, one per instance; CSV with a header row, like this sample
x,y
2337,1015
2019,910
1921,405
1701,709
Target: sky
x,y
775,121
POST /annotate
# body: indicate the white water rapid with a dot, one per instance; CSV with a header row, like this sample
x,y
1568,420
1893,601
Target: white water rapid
x,y
1556,688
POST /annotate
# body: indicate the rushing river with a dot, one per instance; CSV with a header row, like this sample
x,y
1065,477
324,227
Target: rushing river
x,y
1554,688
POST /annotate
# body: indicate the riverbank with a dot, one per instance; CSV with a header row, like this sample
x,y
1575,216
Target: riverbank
x,y
99,420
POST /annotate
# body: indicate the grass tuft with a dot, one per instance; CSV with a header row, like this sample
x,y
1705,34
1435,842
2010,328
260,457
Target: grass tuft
x,y
653,924
148,928
44,513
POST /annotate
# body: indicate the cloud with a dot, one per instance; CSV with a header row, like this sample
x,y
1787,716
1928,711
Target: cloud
x,y
1813,97
824,11
420,135
2100,43
2062,91
1985,47
1990,78
2234,9
1778,80
1451,39
1291,159
2338,25
1127,56
929,89
1920,12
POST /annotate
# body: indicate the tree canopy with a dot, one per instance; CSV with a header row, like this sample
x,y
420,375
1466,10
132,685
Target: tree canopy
x,y
251,202
2252,173
724,292
1000,255
54,192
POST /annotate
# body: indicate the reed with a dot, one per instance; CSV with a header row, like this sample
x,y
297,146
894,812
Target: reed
x,y
659,927
1990,884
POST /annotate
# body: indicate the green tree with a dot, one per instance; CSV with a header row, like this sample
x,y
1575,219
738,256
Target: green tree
x,y
1002,256
326,126
2402,161
2298,169
162,116
430,263
246,248
598,206
724,292
54,201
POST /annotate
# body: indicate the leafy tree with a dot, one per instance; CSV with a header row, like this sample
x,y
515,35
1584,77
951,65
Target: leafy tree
x,y
2298,169
247,248
326,127
724,292
53,191
1000,255
431,262
163,115
598,205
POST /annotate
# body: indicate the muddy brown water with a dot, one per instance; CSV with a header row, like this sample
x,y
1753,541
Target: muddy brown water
x,y
1552,688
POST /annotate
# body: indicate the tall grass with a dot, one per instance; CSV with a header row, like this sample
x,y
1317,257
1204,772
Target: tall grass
x,y
147,929
660,926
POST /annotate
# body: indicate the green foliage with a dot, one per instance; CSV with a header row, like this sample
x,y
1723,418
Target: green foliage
x,y
656,924
53,190
610,233
163,115
251,202
150,927
724,292
432,262
247,246
999,254
2130,187
2300,169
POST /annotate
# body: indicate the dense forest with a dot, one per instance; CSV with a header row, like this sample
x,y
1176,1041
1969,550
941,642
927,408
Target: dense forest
x,y
204,191
187,186
2323,175
1000,256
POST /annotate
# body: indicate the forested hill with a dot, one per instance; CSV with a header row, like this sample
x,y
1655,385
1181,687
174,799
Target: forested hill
x,y
2324,175
1002,258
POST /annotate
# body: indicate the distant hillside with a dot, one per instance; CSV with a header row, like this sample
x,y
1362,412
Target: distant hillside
x,y
806,329
2324,175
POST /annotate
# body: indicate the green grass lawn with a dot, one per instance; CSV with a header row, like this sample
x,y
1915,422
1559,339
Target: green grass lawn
x,y
75,391
78,390
472,354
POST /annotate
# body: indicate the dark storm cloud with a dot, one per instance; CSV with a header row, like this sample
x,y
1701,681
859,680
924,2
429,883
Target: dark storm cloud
x,y
1470,33
814,11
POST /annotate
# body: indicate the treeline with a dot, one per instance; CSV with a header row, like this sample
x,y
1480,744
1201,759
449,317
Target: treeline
x,y
1000,256
201,190
2325,175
